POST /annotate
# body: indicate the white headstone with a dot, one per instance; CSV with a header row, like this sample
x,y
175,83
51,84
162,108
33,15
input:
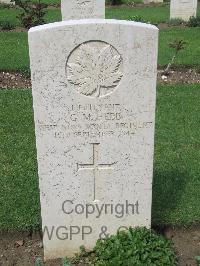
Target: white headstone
x,y
183,9
94,92
82,9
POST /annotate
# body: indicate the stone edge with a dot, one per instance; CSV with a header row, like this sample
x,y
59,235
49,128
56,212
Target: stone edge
x,y
91,21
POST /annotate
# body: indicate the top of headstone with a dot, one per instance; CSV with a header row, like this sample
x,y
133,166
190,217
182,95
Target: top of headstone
x,y
91,21
82,9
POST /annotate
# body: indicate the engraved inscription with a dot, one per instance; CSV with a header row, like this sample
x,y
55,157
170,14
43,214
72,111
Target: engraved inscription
x,y
83,8
184,1
95,167
83,2
94,69
98,120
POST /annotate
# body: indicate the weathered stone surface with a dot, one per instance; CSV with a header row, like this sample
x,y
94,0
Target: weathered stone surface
x,y
82,9
183,9
94,91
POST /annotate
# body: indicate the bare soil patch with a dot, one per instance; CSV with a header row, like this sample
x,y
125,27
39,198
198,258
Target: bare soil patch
x,y
180,76
163,25
16,29
15,80
22,249
186,242
166,25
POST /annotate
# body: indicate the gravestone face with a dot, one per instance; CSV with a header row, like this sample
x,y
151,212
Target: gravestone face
x,y
81,9
94,91
183,9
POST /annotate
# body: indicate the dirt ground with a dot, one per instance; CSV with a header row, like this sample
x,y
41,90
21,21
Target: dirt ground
x,y
163,25
14,80
181,76
22,249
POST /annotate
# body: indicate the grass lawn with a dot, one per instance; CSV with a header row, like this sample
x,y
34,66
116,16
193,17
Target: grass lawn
x,y
50,2
57,2
149,14
14,51
153,15
10,14
188,56
14,48
176,188
19,197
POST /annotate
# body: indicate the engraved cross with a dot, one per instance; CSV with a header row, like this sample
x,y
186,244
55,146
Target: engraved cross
x,y
95,166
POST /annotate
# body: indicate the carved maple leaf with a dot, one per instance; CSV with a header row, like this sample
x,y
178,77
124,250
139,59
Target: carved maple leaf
x,y
94,68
